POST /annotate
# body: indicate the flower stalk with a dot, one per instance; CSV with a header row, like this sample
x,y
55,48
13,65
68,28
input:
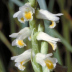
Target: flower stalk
x,y
35,48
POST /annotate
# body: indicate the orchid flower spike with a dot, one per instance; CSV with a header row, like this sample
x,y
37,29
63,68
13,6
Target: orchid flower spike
x,y
25,13
44,14
22,59
46,60
20,36
51,40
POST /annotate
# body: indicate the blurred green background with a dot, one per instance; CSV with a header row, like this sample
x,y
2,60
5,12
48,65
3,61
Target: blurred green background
x,y
9,25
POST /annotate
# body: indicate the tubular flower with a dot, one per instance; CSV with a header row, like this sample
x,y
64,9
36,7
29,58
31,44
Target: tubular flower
x,y
51,40
46,60
44,14
22,59
20,36
25,13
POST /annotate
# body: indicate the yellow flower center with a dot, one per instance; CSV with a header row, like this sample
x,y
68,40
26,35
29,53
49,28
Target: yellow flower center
x,y
52,24
49,64
52,45
20,42
28,15
22,19
21,62
21,66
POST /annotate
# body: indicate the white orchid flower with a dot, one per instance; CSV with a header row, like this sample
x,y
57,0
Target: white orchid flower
x,y
46,60
44,14
20,36
25,13
22,59
51,40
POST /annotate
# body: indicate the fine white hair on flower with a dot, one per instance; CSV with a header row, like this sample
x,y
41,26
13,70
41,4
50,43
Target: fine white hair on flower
x,y
20,36
44,14
22,59
51,40
46,60
25,13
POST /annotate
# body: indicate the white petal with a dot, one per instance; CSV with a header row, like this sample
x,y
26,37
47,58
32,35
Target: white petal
x,y
48,55
24,56
59,14
26,33
43,56
46,37
21,16
40,61
13,35
16,14
40,55
13,58
53,60
22,34
52,25
44,14
20,66
27,7
24,30
14,42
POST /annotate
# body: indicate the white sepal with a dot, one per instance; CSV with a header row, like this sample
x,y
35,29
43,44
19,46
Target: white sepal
x,y
22,59
51,40
26,55
13,35
46,37
44,14
16,14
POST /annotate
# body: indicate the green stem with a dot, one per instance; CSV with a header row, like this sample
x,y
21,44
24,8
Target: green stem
x,y
33,3
44,47
35,47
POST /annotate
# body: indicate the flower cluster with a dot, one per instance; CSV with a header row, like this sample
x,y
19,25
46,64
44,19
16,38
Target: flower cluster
x,y
26,13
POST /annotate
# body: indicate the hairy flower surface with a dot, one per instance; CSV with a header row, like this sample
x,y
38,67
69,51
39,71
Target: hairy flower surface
x,y
25,13
51,40
20,36
44,14
46,60
22,59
